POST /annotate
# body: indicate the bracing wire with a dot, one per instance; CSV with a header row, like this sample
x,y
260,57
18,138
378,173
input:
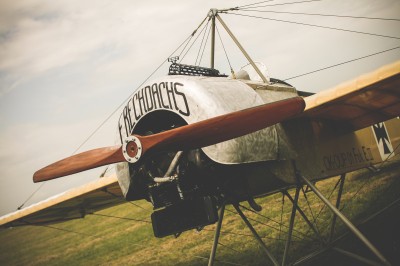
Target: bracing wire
x,y
367,180
123,199
190,47
282,4
117,108
239,7
223,46
121,218
205,44
280,224
241,234
189,39
219,260
323,206
310,209
228,247
30,196
269,219
342,63
321,15
64,230
201,44
317,26
267,225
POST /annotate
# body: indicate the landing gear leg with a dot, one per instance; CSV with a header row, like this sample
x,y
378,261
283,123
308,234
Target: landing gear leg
x,y
291,223
216,236
346,221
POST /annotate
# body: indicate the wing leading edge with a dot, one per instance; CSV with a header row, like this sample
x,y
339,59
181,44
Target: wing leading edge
x,y
362,102
74,203
367,100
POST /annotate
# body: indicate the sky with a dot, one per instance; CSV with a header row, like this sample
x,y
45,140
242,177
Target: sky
x,y
65,66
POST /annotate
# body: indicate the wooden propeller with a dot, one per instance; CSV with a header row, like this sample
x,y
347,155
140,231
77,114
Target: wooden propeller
x,y
196,135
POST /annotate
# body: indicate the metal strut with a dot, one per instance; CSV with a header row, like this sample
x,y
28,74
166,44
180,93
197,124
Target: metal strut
x,y
346,221
212,14
256,236
305,218
339,197
264,79
216,236
291,224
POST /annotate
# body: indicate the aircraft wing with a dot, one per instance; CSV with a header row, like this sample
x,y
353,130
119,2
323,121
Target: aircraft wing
x,y
74,203
367,100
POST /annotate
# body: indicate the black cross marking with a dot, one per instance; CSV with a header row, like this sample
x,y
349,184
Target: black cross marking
x,y
381,135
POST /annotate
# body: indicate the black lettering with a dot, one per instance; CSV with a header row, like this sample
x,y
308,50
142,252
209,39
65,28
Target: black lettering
x,y
327,163
137,116
127,119
350,158
120,131
161,97
357,155
147,93
170,94
142,103
370,154
343,158
187,111
367,154
337,161
154,92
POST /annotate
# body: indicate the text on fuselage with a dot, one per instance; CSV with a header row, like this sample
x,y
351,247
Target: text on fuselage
x,y
348,158
158,96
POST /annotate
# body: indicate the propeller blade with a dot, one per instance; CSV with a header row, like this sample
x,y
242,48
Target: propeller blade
x,y
224,127
80,162
196,135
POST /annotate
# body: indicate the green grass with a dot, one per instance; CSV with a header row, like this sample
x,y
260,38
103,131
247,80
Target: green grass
x,y
99,240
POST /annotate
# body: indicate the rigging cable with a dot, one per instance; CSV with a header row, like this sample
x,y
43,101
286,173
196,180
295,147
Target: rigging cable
x,y
324,205
368,180
322,15
121,218
190,47
342,63
242,234
202,41
123,199
226,54
228,247
267,225
282,4
205,44
116,109
314,25
254,4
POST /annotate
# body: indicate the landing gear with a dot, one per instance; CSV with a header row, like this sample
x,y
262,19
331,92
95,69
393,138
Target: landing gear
x,y
324,236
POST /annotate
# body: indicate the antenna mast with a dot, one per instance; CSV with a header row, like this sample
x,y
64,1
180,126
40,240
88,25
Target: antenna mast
x,y
214,14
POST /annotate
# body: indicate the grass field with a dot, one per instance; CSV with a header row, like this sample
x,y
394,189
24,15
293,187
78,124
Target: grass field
x,y
123,235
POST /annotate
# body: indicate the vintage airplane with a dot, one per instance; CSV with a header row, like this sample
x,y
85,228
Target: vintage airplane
x,y
193,141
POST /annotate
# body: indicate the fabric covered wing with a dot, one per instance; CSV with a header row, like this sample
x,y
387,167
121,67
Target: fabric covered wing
x,y
74,203
367,100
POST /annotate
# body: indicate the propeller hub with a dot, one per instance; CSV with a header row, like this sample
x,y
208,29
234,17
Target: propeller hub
x,y
132,149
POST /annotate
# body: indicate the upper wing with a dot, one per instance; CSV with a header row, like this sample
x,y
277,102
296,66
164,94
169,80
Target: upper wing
x,y
367,100
74,203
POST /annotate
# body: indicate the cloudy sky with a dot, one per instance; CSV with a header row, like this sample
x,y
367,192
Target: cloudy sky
x,y
65,66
